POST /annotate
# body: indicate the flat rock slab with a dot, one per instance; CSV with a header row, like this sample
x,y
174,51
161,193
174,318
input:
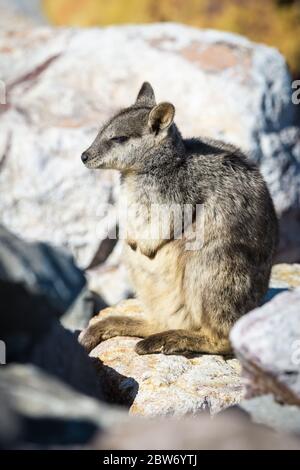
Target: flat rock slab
x,y
159,385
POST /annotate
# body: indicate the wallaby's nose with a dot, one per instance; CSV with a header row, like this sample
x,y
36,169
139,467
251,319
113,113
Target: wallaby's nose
x,y
85,156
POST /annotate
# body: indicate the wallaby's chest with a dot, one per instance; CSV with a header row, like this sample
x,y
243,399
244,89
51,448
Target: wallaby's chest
x,y
158,280
154,263
137,224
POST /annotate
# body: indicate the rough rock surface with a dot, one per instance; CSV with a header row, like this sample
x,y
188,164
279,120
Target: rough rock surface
x,y
61,86
159,385
267,341
285,276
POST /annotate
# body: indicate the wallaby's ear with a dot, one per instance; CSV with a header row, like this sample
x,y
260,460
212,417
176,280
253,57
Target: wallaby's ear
x,y
161,116
146,95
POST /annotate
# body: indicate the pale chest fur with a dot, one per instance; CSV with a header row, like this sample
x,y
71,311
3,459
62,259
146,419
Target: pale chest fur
x,y
158,279
158,283
138,225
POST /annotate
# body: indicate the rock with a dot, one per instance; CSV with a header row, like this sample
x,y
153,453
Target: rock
x,y
159,385
42,269
52,413
9,424
61,87
49,414
20,14
78,316
58,353
285,276
54,349
38,283
110,281
229,430
266,410
48,271
267,342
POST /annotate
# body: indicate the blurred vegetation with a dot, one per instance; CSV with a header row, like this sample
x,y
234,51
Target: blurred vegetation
x,y
274,22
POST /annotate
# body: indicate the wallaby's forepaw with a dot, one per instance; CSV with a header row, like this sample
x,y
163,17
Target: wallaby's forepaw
x,y
167,342
100,331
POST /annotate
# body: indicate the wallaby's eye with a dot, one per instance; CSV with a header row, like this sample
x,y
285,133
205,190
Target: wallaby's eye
x,y
120,139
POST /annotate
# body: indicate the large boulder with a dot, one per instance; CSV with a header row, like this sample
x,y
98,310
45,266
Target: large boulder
x,y
9,423
267,343
20,14
38,284
42,269
41,410
61,86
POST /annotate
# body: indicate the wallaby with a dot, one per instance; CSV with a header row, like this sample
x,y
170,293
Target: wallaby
x,y
191,298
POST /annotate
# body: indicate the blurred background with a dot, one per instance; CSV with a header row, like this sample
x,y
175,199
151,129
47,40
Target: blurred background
x,y
273,22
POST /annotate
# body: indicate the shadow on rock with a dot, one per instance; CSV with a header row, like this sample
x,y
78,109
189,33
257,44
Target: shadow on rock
x,y
112,383
272,292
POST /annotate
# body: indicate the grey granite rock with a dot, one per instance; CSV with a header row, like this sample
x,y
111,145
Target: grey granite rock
x,y
10,426
38,284
20,14
42,269
267,341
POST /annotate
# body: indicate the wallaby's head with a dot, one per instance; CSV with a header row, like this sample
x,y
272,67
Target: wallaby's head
x,y
124,141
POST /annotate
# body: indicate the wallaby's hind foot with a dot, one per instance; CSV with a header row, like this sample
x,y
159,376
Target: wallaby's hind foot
x,y
112,326
182,342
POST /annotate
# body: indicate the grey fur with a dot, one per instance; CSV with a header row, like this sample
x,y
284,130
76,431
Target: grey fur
x,y
192,298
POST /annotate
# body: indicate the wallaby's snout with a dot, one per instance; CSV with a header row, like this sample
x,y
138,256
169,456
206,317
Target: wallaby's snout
x,y
90,158
85,156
